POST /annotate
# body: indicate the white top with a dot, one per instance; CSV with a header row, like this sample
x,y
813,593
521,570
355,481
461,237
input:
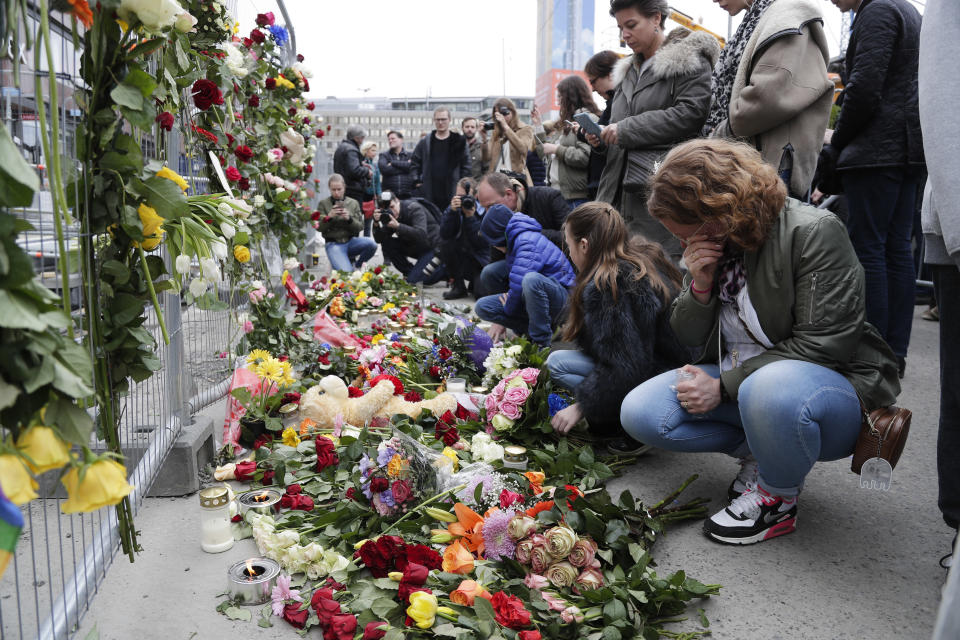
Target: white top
x,y
503,162
735,320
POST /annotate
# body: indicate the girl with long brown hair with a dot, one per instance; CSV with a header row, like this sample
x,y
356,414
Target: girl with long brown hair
x,y
618,318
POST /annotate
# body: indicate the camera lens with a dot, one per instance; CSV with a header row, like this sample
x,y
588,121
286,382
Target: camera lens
x,y
504,111
488,126
468,202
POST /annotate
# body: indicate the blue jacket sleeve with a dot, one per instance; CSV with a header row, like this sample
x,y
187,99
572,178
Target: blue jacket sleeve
x,y
526,258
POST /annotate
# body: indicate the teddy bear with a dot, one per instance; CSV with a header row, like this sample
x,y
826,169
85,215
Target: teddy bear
x,y
323,402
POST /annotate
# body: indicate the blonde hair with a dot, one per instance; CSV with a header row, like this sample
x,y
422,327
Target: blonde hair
x,y
366,147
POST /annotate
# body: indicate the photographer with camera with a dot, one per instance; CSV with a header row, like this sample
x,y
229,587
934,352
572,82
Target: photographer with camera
x,y
440,160
405,230
463,250
340,221
511,140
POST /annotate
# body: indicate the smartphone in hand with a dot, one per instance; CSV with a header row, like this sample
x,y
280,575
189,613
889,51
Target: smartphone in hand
x,y
587,124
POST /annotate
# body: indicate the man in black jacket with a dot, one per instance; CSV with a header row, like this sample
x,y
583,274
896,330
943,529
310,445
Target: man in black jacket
x,y
348,162
877,137
396,167
463,250
440,160
546,205
405,230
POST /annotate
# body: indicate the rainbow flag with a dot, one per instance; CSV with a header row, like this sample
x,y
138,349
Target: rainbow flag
x,y
11,523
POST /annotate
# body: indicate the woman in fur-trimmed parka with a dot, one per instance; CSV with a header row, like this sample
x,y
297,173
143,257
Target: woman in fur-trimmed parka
x,y
662,99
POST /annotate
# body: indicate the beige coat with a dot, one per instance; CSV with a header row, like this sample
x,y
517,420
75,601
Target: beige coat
x,y
781,94
521,141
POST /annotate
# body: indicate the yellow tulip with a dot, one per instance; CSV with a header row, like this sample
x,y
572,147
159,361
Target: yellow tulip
x,y
423,608
396,576
44,447
104,483
283,82
172,175
152,228
241,253
290,437
17,483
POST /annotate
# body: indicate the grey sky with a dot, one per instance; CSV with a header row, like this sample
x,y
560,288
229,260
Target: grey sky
x,y
442,47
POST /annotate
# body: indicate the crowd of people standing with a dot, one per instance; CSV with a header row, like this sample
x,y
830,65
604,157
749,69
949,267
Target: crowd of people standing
x,y
676,246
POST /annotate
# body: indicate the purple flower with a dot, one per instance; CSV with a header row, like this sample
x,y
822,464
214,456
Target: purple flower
x,y
365,465
496,539
385,456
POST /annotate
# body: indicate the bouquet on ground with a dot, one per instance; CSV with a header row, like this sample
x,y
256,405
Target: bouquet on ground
x,y
261,399
511,355
395,476
517,399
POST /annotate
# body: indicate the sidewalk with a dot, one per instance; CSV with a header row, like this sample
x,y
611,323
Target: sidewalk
x,y
862,564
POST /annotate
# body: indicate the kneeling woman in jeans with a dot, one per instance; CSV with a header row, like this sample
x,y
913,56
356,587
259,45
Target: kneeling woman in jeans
x,y
775,298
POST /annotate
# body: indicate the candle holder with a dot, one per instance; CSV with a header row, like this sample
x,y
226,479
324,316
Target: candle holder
x,y
515,457
478,388
289,414
349,348
259,500
216,534
252,581
456,385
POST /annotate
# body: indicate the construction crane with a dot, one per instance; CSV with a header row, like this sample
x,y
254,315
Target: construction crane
x,y
684,20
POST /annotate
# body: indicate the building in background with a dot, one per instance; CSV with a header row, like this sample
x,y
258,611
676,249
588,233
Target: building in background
x,y
564,44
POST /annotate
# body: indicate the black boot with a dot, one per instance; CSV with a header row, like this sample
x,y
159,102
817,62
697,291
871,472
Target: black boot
x,y
458,290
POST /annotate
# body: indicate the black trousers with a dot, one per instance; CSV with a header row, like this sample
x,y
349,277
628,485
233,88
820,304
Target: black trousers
x,y
946,285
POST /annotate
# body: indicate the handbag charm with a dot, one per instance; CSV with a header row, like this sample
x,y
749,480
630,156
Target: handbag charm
x,y
876,473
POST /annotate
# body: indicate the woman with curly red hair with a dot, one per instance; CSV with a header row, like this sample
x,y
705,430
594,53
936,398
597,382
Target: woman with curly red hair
x,y
774,297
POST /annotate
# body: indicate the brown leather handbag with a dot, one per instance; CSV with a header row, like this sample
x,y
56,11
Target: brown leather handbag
x,y
883,434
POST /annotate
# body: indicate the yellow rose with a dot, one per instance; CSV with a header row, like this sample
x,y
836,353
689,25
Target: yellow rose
x,y
173,176
16,481
104,483
241,253
152,228
290,437
423,608
44,447
451,453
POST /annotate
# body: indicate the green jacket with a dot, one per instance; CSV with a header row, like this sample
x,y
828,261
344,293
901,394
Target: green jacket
x,y
336,229
807,287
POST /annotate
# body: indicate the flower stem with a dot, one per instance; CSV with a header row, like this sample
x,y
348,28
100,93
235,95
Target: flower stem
x,y
153,295
424,504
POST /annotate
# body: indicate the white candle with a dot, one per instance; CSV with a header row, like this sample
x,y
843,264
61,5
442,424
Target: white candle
x,y
456,385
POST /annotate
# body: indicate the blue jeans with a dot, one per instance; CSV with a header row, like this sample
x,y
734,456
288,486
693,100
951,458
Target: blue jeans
x,y
543,300
575,202
946,282
569,367
346,256
789,414
495,278
880,221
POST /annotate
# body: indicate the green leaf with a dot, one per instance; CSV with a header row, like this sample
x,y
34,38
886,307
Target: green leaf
x,y
146,48
8,394
117,270
446,630
614,610
19,312
127,96
18,181
383,607
611,633
264,622
73,422
125,308
69,382
140,118
701,614
166,197
236,613
141,80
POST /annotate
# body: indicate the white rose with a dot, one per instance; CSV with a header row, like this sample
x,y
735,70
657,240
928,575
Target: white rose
x,y
514,350
183,264
185,23
211,272
235,61
225,209
287,537
242,228
198,286
256,284
291,263
156,15
259,201
279,190
219,250
306,71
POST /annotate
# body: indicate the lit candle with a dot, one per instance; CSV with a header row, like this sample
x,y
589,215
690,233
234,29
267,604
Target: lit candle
x,y
216,534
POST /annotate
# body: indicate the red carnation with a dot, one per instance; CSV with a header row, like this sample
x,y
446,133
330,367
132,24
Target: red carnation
x,y
293,615
509,610
270,83
258,36
412,396
326,453
379,484
254,101
244,471
206,93
233,174
166,120
243,153
444,353
229,139
401,491
243,183
265,19
323,358
203,132
354,392
435,371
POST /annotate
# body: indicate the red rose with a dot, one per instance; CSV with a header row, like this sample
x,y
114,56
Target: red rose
x,y
448,418
303,503
380,556
401,491
254,101
509,610
354,392
372,632
244,471
243,183
307,170
233,174
415,574
229,139
319,595
299,57
404,591
333,584
290,396
508,498
326,453
247,42
412,396
203,132
243,153
462,412
397,385
341,627
286,501
379,484
422,554
292,111
352,494
326,608
265,19
315,215
270,83
318,133
294,489
268,477
528,635
435,371
310,106
262,440
444,353
206,93
166,120
236,518
451,436
258,36
296,617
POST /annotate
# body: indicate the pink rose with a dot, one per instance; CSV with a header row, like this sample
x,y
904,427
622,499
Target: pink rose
x,y
530,375
491,404
275,155
498,390
570,614
555,603
247,327
510,410
516,395
535,581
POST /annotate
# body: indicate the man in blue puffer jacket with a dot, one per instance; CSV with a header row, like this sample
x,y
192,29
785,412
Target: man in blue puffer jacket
x,y
540,276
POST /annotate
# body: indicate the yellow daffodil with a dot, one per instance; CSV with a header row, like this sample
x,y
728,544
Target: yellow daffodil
x,y
104,483
290,437
15,479
451,453
257,355
270,368
283,82
173,176
236,27
241,253
44,447
152,228
423,608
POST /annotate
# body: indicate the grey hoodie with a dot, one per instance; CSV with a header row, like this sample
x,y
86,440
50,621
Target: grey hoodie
x,y
939,96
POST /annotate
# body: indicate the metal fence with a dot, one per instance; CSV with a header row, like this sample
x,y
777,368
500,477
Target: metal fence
x,y
61,559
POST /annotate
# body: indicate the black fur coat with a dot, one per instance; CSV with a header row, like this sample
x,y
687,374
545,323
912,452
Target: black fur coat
x,y
629,340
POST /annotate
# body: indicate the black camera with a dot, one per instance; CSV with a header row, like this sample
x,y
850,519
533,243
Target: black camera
x,y
488,126
468,202
504,111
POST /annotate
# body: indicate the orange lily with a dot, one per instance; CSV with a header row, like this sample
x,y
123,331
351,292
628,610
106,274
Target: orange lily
x,y
468,527
457,559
